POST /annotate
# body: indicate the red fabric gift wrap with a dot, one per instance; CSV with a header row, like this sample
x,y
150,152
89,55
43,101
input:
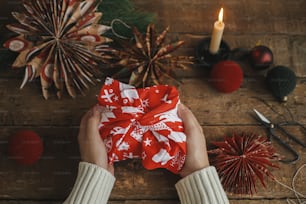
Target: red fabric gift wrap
x,y
142,123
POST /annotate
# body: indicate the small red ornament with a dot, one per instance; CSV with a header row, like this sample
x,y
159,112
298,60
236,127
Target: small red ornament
x,y
25,147
261,57
241,160
226,76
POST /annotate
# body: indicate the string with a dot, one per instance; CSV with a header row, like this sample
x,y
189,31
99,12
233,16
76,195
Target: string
x,y
294,179
124,24
298,195
271,107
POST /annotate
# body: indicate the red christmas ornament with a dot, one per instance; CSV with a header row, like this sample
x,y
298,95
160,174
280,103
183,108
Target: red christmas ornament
x,y
226,76
241,160
261,57
25,147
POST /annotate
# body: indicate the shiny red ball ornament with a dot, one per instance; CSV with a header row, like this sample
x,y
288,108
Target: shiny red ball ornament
x,y
241,160
25,147
226,76
261,57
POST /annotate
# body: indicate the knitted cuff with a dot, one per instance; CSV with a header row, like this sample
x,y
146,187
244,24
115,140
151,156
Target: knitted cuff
x,y
202,186
93,185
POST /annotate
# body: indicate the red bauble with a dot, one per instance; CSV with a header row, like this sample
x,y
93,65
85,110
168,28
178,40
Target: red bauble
x,y
226,76
25,147
241,160
261,57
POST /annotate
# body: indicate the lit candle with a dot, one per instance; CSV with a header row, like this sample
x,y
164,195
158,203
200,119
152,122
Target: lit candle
x,y
217,34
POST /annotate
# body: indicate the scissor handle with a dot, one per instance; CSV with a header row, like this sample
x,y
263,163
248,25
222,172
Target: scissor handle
x,y
297,140
287,147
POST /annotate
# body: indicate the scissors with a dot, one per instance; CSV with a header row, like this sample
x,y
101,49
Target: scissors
x,y
272,128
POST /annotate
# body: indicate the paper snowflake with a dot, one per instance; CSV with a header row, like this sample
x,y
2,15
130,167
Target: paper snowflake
x,y
242,159
57,42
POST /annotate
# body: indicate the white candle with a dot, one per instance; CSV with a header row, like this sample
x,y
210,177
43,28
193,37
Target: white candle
x,y
217,34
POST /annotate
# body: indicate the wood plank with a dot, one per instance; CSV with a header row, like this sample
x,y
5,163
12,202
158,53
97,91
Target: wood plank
x,y
196,16
27,107
53,176
153,202
247,16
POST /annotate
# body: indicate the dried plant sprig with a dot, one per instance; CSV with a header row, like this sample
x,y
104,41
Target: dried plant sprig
x,y
57,42
148,57
241,160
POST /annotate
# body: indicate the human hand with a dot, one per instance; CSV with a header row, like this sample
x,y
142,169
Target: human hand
x,y
92,148
197,157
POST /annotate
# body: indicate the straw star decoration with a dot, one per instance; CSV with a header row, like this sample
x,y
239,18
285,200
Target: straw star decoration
x,y
149,58
57,42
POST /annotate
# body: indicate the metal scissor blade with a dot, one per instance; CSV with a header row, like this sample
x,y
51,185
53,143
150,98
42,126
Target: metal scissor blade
x,y
262,118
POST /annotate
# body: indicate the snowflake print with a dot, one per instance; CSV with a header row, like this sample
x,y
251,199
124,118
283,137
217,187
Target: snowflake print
x,y
107,96
145,103
138,129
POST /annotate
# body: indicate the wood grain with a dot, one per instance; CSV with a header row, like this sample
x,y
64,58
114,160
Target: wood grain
x,y
247,16
279,201
278,24
27,107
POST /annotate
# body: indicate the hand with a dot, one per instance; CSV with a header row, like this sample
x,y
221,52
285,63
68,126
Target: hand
x,y
197,157
92,148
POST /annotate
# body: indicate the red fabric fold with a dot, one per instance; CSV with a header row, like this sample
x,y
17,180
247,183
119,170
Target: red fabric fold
x,y
142,123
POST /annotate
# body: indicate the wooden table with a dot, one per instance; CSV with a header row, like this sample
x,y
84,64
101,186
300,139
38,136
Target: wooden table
x,y
279,24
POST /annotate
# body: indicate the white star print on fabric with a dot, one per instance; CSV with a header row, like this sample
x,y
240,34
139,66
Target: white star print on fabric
x,y
147,142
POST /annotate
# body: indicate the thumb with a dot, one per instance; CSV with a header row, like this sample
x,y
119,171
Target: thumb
x,y
94,120
189,120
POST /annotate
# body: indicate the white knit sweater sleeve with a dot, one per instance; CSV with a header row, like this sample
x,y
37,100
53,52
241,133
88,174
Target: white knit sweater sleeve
x,y
203,187
92,186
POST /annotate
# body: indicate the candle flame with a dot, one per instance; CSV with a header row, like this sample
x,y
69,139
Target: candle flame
x,y
220,19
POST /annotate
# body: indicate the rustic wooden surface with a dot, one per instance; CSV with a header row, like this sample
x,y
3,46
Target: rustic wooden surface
x,y
279,24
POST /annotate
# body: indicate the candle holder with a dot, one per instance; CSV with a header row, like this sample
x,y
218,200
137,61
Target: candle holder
x,y
205,58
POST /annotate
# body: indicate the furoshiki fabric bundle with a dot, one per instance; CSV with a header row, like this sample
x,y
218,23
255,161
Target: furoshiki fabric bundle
x,y
142,123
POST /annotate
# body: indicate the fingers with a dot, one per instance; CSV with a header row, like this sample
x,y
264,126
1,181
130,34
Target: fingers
x,y
189,120
90,123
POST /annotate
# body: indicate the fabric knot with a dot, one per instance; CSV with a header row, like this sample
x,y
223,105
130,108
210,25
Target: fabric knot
x,y
142,123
